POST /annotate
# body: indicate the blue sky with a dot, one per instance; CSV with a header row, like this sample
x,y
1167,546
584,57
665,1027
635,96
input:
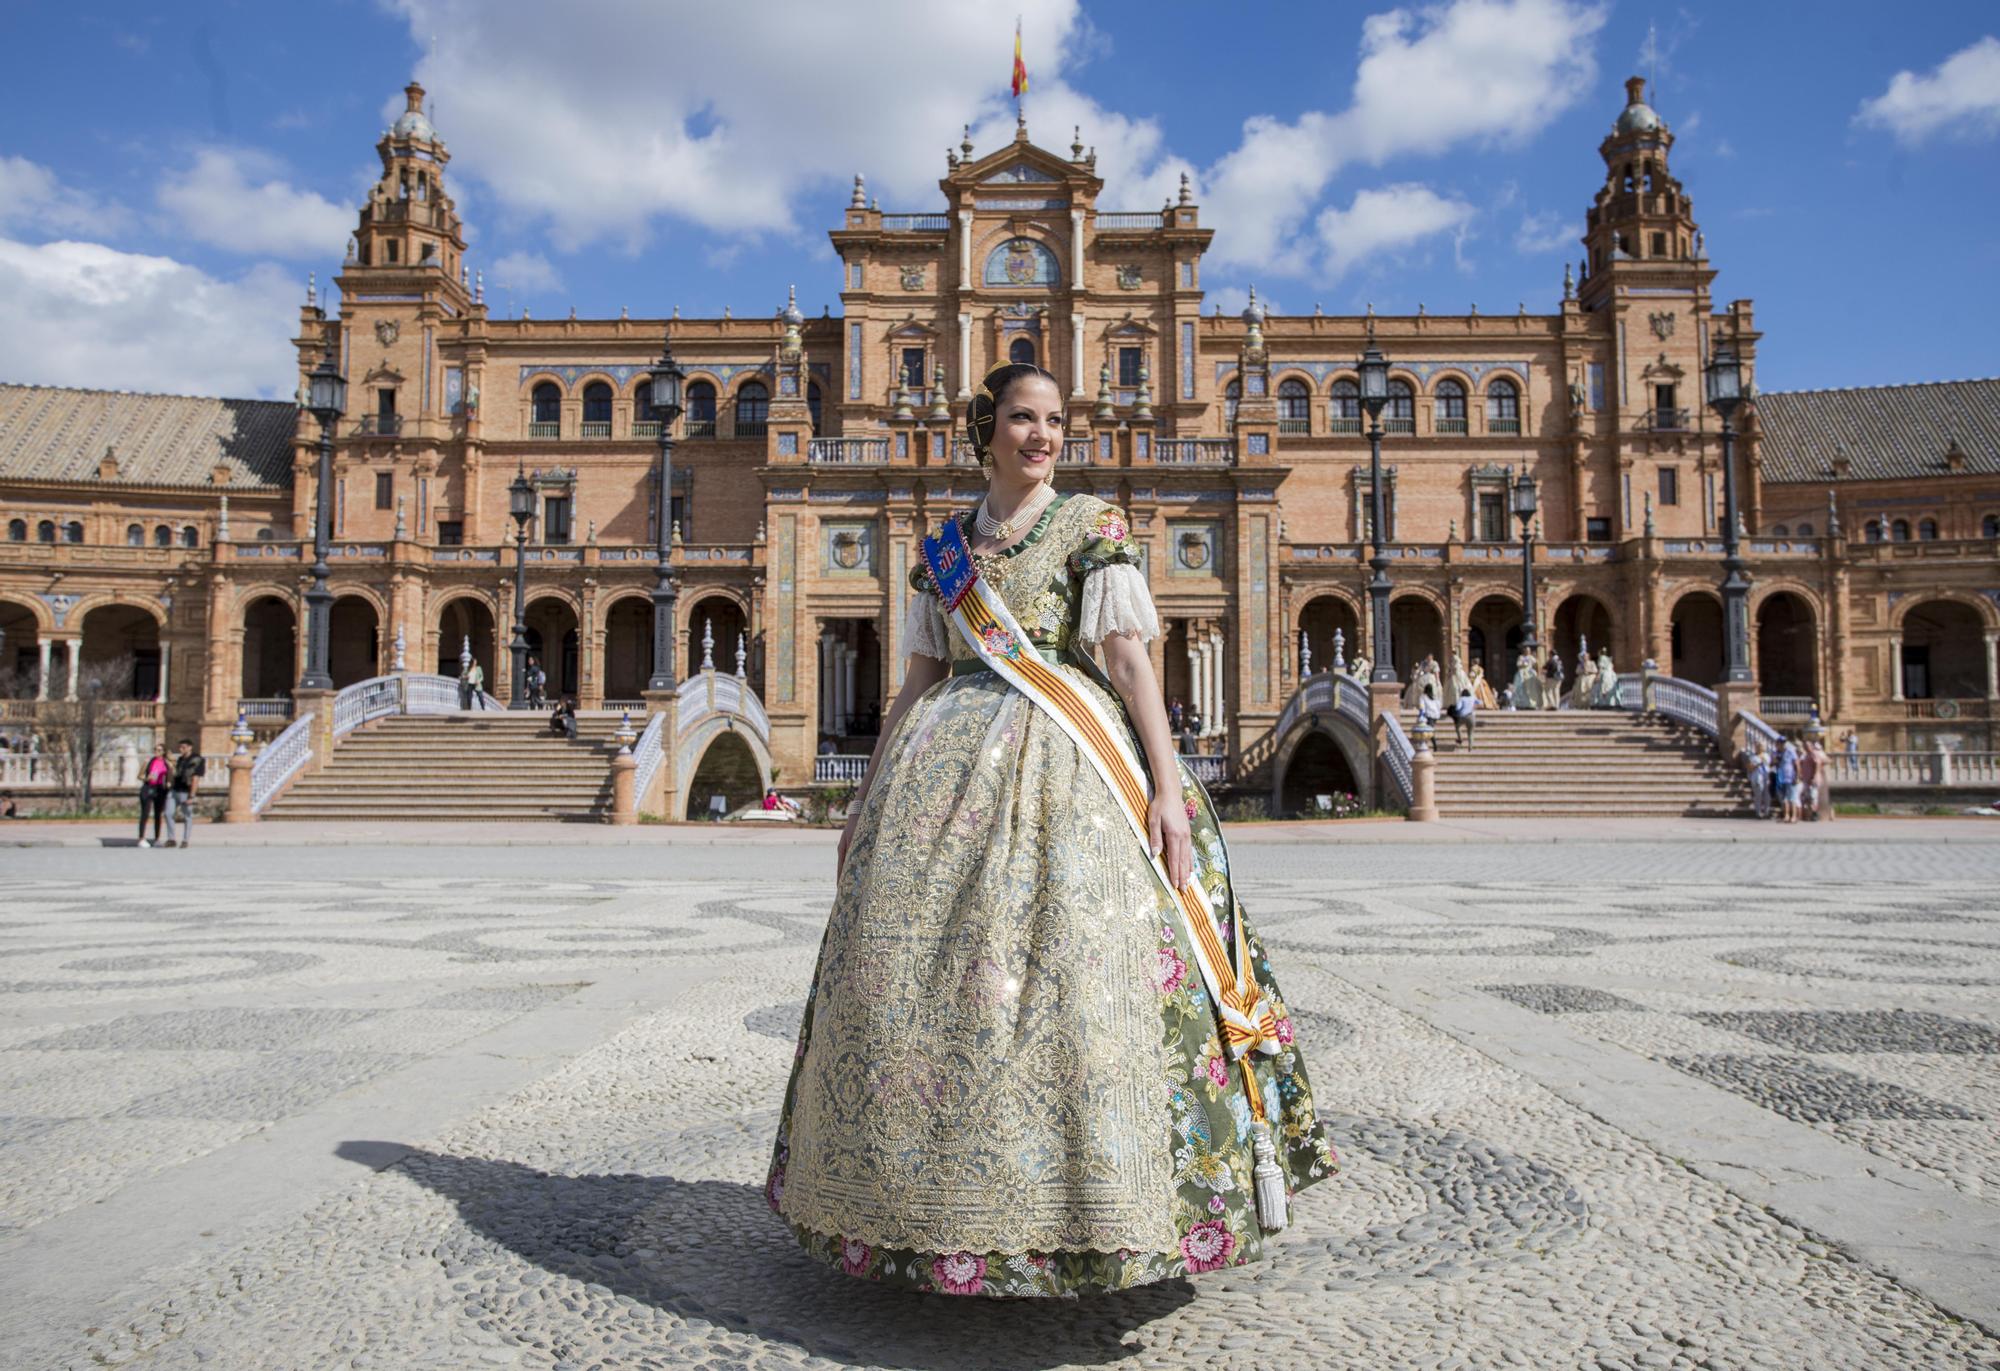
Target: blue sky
x,y
169,175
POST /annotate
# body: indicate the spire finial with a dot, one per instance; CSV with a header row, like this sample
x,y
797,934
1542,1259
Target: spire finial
x,y
1569,282
1187,190
1076,147
312,289
965,144
860,199
479,287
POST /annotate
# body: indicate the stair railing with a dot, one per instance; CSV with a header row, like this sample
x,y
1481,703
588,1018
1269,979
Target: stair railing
x,y
279,762
1398,753
1685,702
365,701
649,753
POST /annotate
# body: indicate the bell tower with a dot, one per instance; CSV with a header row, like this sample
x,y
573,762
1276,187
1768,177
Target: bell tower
x,y
1641,228
409,223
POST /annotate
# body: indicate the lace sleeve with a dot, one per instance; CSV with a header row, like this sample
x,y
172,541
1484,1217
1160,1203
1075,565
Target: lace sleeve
x,y
924,630
1115,600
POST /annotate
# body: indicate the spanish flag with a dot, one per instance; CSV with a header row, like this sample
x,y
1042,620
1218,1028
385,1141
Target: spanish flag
x,y
1020,67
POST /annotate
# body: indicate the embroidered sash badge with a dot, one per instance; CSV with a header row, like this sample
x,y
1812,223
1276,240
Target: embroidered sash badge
x,y
950,561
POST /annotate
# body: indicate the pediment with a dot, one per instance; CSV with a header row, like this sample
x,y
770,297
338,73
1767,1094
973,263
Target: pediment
x,y
1016,173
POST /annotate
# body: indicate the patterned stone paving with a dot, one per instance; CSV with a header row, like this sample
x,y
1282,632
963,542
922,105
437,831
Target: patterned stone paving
x,y
605,1209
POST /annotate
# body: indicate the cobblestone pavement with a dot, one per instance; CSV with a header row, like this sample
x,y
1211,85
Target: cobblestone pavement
x,y
1617,1106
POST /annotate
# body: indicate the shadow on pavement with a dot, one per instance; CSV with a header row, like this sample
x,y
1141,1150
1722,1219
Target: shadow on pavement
x,y
713,1251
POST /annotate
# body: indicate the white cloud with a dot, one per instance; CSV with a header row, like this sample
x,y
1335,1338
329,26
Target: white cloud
x,y
232,198
82,314
1962,95
1383,223
1485,72
1548,231
579,127
31,197
527,272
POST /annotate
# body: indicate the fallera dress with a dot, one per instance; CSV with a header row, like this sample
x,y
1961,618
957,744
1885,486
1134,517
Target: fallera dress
x,y
1009,1078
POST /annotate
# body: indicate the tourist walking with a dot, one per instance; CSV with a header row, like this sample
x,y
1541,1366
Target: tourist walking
x,y
1808,782
1822,796
1010,1080
154,778
537,682
475,685
1464,710
1786,773
189,767
1757,766
1853,747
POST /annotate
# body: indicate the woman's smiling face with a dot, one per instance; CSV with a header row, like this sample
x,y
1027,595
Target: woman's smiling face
x,y
1027,431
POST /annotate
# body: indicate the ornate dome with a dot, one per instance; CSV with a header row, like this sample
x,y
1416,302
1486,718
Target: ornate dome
x,y
793,316
1637,116
1253,313
412,124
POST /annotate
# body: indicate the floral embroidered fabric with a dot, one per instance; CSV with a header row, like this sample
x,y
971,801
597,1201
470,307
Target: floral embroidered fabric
x,y
1009,1079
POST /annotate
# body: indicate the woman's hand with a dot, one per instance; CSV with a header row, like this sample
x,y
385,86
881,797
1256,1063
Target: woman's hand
x,y
1167,832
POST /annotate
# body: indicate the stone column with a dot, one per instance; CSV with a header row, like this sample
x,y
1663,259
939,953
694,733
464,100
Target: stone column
x,y
849,656
240,764
1423,780
1221,693
965,281
42,682
1194,671
1076,356
826,682
965,356
1895,666
1992,665
166,671
73,653
1076,250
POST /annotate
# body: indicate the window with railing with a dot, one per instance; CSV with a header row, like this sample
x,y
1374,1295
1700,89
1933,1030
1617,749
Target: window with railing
x,y
700,410
1503,407
1294,407
1401,414
645,423
545,411
597,410
1343,407
1450,414
753,409
1232,396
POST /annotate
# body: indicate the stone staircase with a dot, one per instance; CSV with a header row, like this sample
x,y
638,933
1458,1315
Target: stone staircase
x,y
1583,763
482,765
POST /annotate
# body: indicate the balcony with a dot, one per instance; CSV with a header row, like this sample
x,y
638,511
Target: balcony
x,y
646,428
550,429
840,768
1295,428
1947,708
1143,219
1512,425
1076,452
380,426
1666,420
1395,425
915,223
1214,452
751,428
597,428
1449,425
1341,423
852,452
700,427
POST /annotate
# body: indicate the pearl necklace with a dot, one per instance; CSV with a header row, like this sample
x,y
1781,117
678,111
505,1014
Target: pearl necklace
x,y
1005,530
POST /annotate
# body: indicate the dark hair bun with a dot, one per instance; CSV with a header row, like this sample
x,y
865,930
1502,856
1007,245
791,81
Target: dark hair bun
x,y
984,411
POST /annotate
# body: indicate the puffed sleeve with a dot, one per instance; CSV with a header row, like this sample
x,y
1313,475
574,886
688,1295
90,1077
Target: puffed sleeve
x,y
924,630
1115,597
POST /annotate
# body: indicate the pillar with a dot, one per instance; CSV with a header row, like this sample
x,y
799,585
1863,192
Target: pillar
x,y
166,670
623,771
1194,672
1076,253
965,281
1992,665
1423,779
1220,669
42,682
1076,355
73,654
850,656
965,351
1895,666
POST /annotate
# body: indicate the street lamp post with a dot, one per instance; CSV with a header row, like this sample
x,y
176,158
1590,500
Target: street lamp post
x,y
1724,381
1374,368
326,397
667,378
1523,494
520,504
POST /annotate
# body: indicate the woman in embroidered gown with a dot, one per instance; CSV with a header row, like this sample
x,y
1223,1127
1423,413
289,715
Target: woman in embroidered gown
x,y
1482,689
1009,1078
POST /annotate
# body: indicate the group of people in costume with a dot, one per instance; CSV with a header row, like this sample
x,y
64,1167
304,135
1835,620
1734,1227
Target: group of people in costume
x,y
1043,1051
1541,686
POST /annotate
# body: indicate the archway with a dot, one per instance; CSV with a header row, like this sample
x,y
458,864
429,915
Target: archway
x,y
720,615
270,649
1416,631
1493,638
1944,652
1697,638
466,620
355,647
729,769
628,648
1579,620
121,653
552,641
1317,767
1324,616
1787,653
850,679
20,651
